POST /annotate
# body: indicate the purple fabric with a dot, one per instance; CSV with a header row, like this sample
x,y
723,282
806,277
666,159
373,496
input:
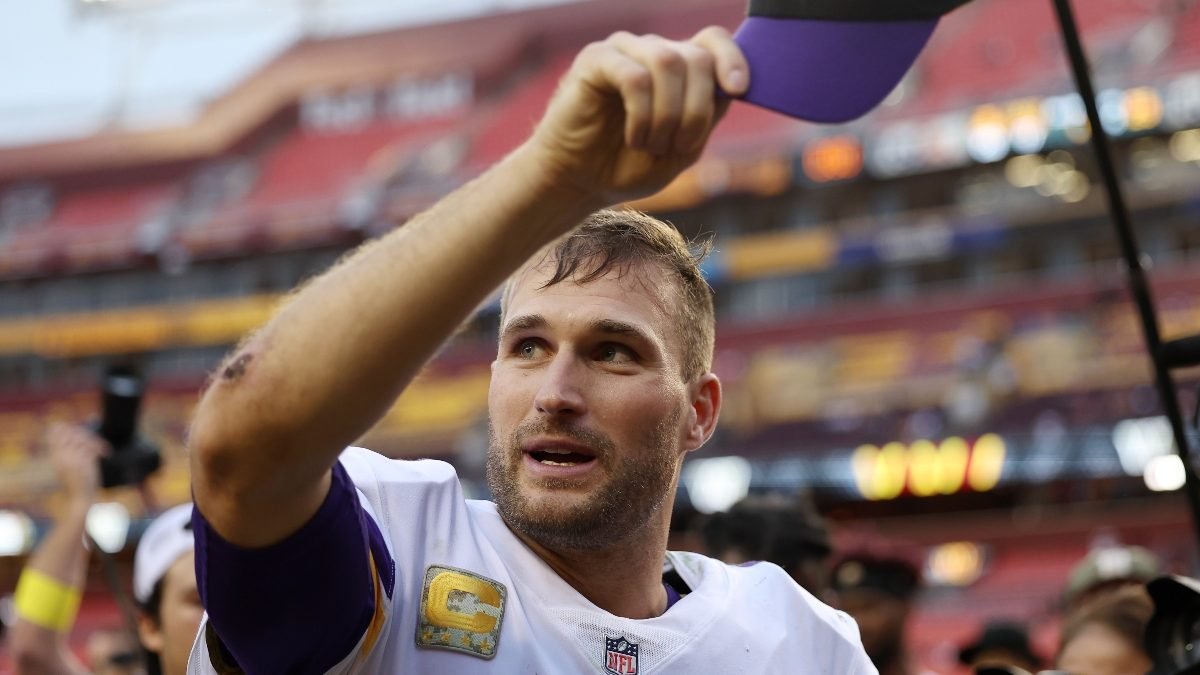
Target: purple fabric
x,y
299,606
827,71
672,595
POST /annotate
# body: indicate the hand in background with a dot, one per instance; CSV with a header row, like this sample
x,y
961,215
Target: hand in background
x,y
75,452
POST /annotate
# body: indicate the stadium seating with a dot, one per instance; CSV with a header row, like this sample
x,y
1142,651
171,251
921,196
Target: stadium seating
x,y
1009,47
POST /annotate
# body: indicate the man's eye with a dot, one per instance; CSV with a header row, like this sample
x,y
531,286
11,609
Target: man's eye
x,y
528,349
614,353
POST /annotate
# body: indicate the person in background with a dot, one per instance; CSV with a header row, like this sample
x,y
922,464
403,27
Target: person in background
x,y
1104,636
876,585
51,585
1109,568
113,651
164,585
1001,644
787,532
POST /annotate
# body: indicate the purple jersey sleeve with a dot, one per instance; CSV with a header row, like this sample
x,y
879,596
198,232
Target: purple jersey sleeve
x,y
302,605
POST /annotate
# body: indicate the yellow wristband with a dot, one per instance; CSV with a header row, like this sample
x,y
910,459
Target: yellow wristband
x,y
45,601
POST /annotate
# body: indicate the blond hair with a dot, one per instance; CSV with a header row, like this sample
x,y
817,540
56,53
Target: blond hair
x,y
612,240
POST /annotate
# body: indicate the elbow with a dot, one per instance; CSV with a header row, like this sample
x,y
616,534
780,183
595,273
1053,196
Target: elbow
x,y
218,465
220,425
235,463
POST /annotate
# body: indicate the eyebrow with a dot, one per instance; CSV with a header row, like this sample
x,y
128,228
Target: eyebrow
x,y
605,326
614,327
523,323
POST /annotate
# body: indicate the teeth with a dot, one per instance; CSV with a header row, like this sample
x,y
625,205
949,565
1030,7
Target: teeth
x,y
554,463
553,451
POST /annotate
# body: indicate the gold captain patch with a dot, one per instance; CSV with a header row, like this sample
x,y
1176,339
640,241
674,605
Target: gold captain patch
x,y
460,611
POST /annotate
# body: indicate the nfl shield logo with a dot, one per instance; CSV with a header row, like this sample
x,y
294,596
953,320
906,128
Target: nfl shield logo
x,y
620,656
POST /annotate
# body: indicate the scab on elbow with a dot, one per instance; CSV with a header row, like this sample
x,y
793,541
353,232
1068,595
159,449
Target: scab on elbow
x,y
236,368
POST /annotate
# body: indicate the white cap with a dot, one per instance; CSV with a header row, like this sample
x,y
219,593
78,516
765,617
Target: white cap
x,y
163,542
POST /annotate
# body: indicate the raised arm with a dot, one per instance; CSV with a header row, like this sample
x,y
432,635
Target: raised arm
x,y
630,114
53,580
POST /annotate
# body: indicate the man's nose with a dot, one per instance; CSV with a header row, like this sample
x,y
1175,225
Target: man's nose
x,y
561,391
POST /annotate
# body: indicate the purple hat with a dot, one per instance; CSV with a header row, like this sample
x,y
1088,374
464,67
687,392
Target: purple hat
x,y
833,60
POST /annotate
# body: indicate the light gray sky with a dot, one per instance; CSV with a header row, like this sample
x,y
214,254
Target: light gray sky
x,y
72,67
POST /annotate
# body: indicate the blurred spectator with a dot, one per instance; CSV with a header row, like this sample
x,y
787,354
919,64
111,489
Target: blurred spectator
x,y
113,651
1002,643
1109,568
876,585
786,532
51,585
164,585
1104,635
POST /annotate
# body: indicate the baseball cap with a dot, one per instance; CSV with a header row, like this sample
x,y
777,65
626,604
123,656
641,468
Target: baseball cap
x,y
833,60
1000,635
167,538
1109,566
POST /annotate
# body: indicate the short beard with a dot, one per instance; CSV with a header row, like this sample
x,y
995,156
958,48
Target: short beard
x,y
637,487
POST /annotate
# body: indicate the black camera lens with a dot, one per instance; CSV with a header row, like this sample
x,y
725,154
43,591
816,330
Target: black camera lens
x,y
1173,634
121,398
1183,639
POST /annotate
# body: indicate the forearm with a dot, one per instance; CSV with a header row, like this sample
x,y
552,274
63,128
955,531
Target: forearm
x,y
329,364
61,555
62,558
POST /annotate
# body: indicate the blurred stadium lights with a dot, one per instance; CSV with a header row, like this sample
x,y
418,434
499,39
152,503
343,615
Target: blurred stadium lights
x,y
926,469
958,563
108,525
1185,145
717,483
1165,473
1052,176
992,131
16,533
1140,441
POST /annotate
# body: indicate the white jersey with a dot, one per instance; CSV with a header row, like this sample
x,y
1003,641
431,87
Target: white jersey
x,y
470,598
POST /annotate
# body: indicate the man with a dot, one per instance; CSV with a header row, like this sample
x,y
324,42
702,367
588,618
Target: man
x,y
875,583
1107,634
1001,644
51,585
164,585
1106,569
312,558
113,651
789,533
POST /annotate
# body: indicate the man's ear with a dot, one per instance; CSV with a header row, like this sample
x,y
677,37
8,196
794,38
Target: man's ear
x,y
704,411
150,633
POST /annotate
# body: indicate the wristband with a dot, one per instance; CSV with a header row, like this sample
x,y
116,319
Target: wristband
x,y
46,602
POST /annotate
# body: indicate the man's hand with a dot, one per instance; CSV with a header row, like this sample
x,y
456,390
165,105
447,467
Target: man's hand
x,y
75,452
634,111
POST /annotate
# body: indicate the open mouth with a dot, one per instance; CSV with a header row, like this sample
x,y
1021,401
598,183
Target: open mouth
x,y
554,457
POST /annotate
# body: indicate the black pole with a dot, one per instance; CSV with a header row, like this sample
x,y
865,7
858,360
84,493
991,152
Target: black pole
x,y
1138,286
113,579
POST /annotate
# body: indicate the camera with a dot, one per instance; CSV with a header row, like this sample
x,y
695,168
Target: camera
x,y
1173,634
133,457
